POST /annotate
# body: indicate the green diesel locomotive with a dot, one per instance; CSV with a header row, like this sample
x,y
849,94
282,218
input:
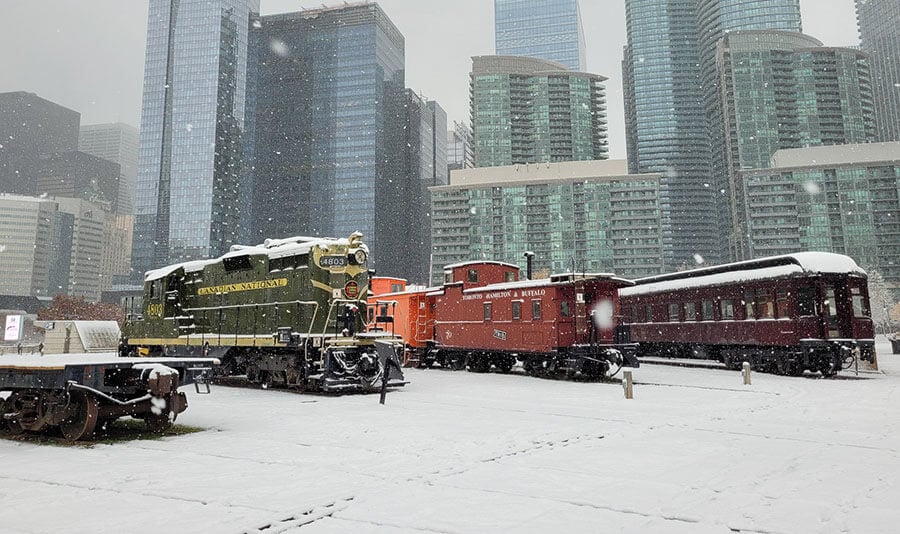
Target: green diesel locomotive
x,y
289,312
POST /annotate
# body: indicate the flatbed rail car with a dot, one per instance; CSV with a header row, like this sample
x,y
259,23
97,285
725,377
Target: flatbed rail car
x,y
485,317
76,393
782,314
284,313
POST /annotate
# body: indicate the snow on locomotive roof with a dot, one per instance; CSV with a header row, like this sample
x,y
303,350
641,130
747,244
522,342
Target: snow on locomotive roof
x,y
273,248
747,271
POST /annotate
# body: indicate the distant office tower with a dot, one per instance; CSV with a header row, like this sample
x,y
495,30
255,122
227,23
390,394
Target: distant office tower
x,y
79,175
671,118
188,202
840,199
330,82
31,128
119,143
879,30
460,154
51,246
527,110
546,29
422,154
584,216
784,90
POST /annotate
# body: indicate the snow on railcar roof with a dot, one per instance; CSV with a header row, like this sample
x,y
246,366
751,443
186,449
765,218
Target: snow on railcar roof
x,y
273,248
556,279
480,262
747,271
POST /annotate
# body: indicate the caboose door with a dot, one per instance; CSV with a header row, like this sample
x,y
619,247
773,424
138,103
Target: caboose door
x,y
582,315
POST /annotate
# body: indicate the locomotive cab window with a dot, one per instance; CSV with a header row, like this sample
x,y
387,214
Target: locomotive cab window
x,y
237,263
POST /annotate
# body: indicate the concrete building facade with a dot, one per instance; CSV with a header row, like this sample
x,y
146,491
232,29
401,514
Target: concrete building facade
x,y
589,216
842,199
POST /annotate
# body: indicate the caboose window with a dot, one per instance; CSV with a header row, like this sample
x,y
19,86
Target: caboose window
x,y
536,310
749,308
516,310
510,276
765,303
806,301
690,311
448,277
860,304
782,304
673,313
473,275
487,311
726,310
564,309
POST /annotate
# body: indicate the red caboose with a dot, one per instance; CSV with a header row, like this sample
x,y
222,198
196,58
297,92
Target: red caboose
x,y
409,313
485,316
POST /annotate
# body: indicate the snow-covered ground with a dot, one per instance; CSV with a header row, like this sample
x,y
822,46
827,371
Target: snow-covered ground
x,y
695,451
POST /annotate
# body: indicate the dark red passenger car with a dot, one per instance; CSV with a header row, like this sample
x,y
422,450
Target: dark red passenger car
x,y
784,314
485,316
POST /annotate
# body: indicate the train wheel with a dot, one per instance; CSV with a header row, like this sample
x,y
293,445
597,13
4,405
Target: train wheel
x,y
505,365
81,416
10,406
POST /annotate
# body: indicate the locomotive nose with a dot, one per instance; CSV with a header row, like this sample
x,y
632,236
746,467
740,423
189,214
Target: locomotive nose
x,y
368,364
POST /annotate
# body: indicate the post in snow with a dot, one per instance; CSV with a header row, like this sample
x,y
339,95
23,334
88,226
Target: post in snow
x,y
628,384
746,373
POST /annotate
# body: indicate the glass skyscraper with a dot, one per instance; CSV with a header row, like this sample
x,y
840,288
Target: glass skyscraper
x,y
672,121
329,118
879,31
784,90
529,110
188,203
546,29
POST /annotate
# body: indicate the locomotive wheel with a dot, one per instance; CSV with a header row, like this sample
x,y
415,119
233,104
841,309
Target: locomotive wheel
x,y
81,416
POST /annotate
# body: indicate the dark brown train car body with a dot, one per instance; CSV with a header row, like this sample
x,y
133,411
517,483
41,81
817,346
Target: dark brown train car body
x,y
485,316
784,314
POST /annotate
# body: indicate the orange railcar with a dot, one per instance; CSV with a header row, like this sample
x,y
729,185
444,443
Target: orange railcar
x,y
406,311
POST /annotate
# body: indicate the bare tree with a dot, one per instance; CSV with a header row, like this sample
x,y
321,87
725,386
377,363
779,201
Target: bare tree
x,y
882,303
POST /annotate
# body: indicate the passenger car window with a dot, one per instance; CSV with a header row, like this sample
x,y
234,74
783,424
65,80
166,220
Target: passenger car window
x,y
673,313
806,301
726,310
860,303
708,310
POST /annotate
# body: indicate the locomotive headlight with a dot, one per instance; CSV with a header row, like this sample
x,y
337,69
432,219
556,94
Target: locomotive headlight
x,y
359,257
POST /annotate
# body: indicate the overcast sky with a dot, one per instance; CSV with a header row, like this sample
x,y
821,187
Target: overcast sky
x,y
88,55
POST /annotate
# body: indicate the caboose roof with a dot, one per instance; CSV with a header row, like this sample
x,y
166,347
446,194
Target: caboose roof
x,y
747,271
555,280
